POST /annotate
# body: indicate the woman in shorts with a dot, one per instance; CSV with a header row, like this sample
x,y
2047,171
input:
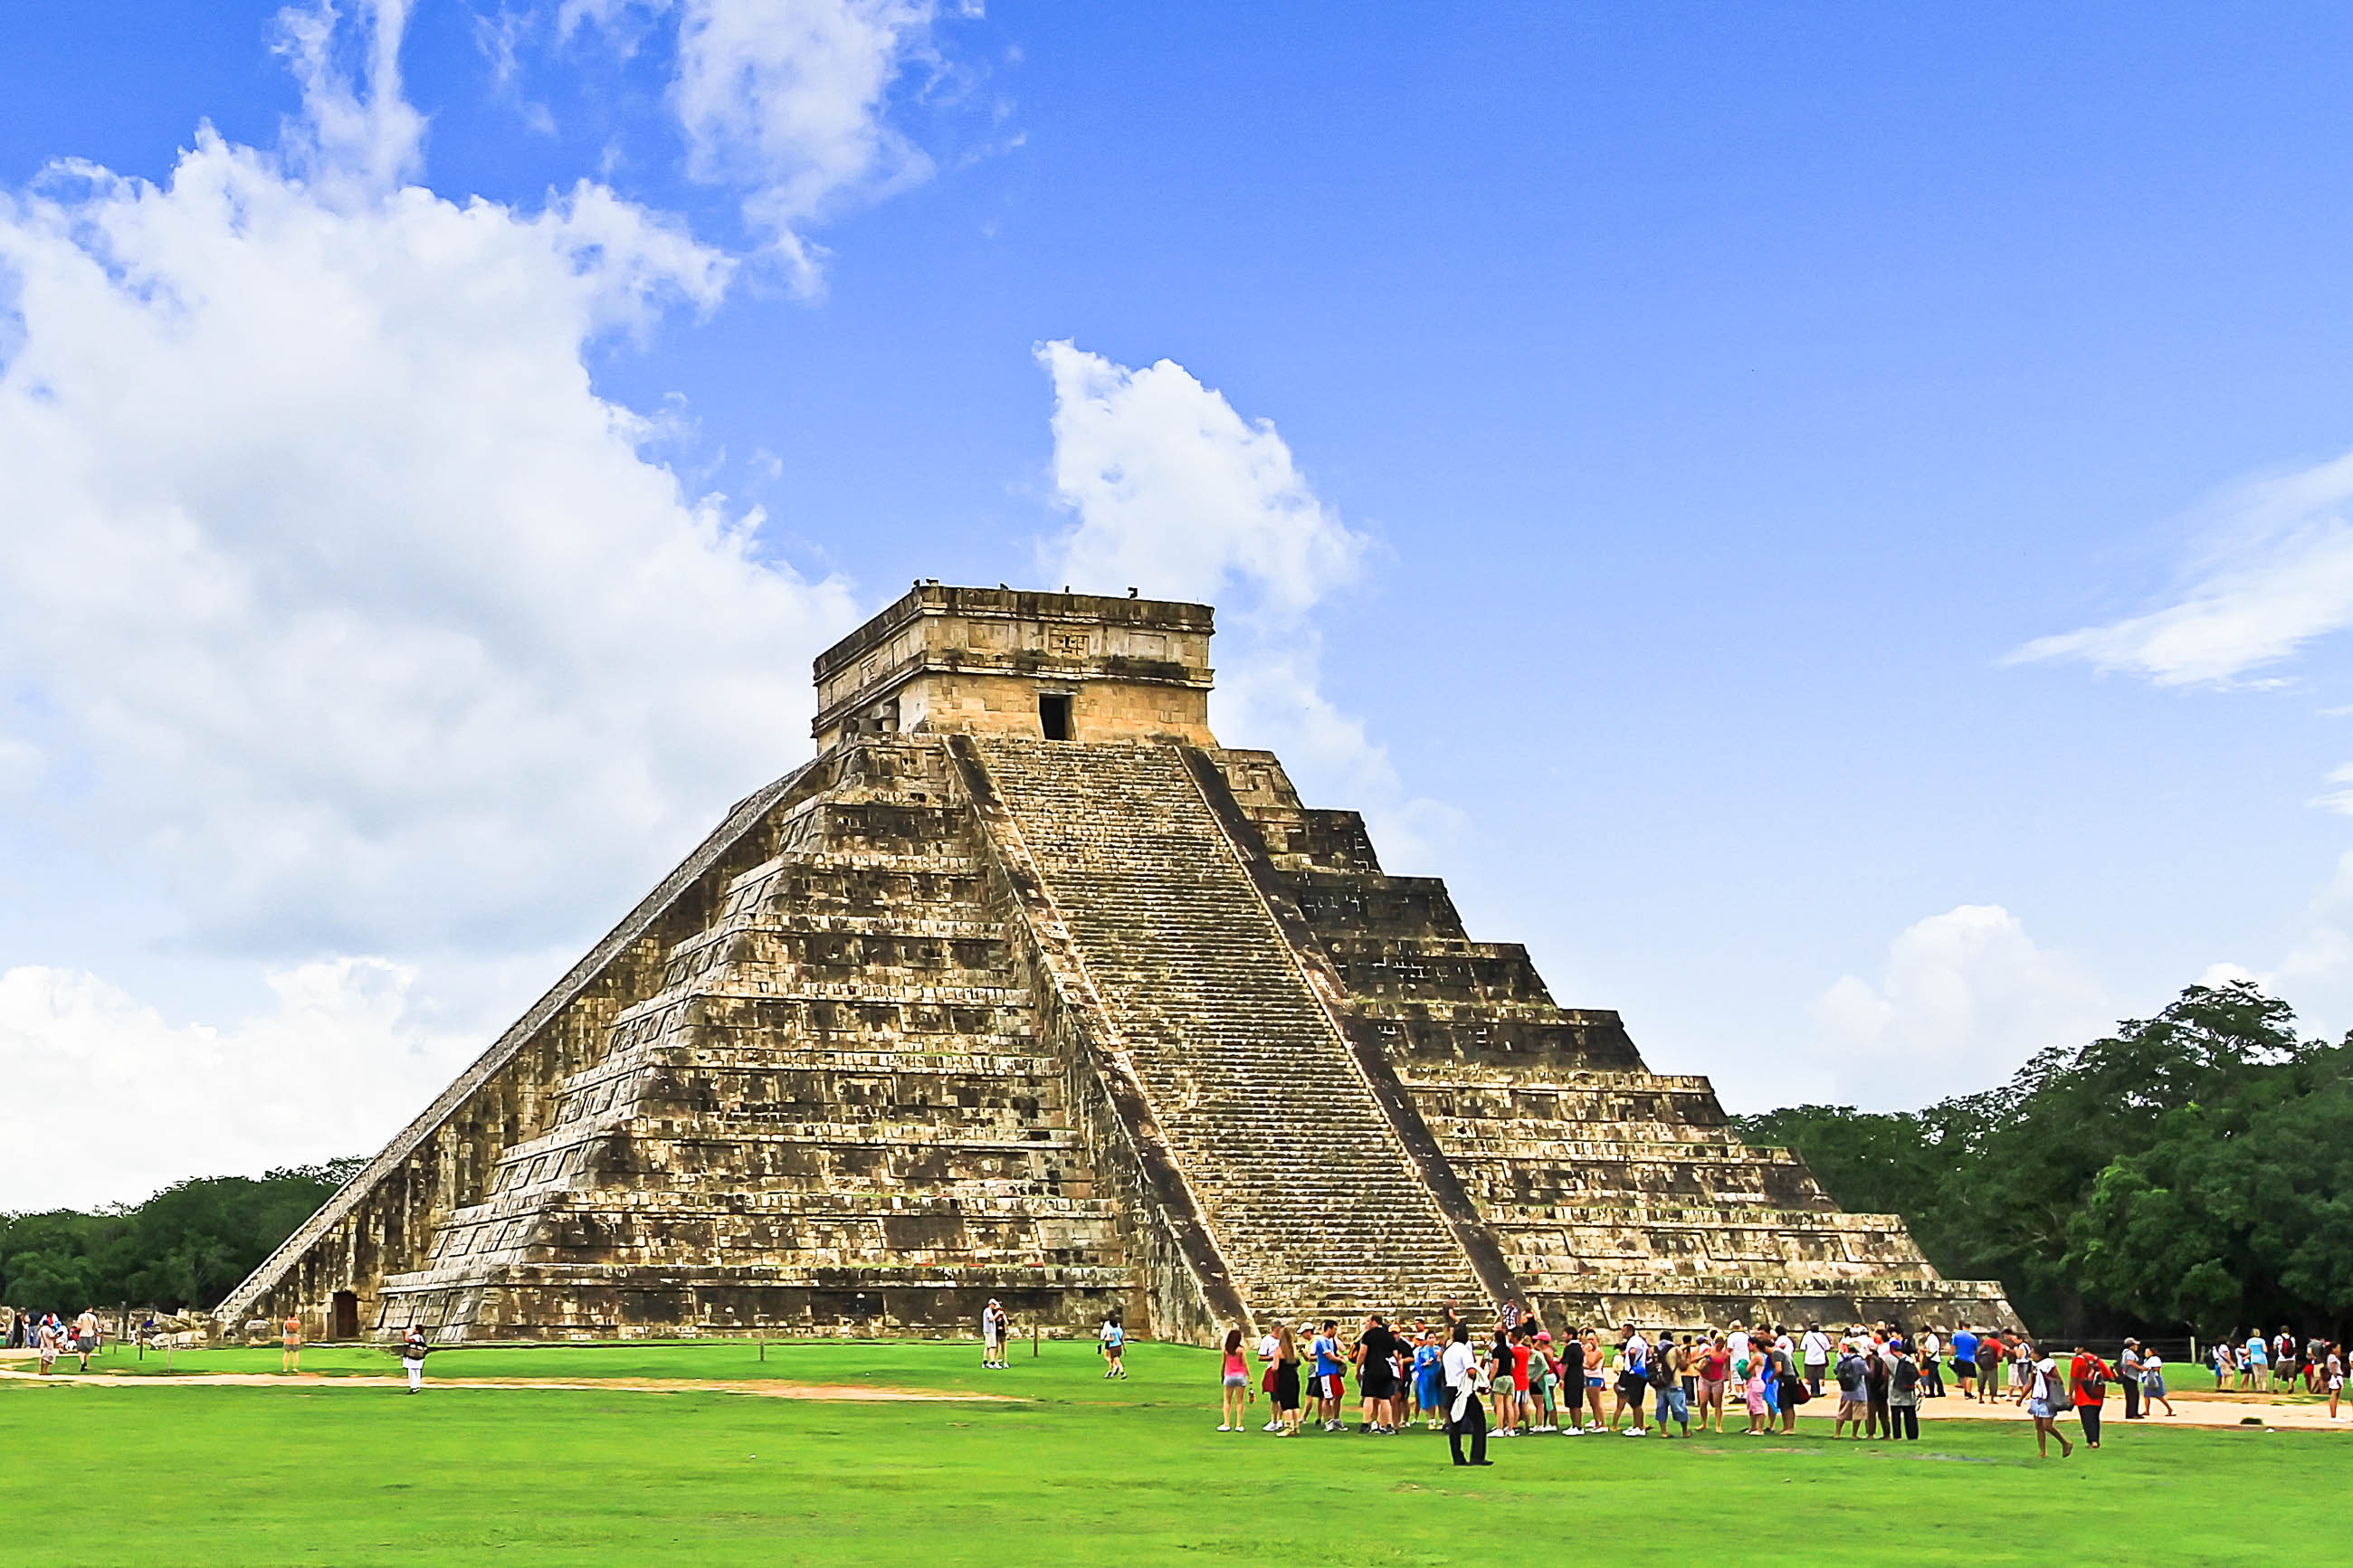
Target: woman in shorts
x,y
2333,1378
2041,1392
2152,1383
1597,1379
1758,1391
1714,1359
1236,1383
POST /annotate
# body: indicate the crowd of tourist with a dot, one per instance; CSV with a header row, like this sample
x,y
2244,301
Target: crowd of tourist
x,y
1518,1379
51,1336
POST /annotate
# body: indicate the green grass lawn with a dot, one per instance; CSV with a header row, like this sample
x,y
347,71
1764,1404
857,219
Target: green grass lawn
x,y
1082,1471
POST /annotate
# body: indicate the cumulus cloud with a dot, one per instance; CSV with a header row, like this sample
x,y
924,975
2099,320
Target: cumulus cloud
x,y
787,101
1965,999
1172,492
340,603
108,1101
1169,486
2277,574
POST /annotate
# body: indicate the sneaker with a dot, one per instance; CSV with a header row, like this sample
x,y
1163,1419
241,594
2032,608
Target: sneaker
x,y
1225,1428
1635,1432
1274,1426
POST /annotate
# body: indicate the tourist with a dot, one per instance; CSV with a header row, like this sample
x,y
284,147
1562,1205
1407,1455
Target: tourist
x,y
1429,1379
1903,1395
1524,1356
1965,1361
46,1339
1633,1386
2045,1401
1763,1397
2223,1360
1462,1378
289,1344
86,1335
1568,1365
1988,1365
1815,1351
2333,1378
1269,1349
2130,1367
1790,1390
2284,1363
1328,1391
412,1357
1932,1371
1500,1366
1597,1379
1874,1390
1286,1381
1114,1348
1377,1377
992,1336
1854,1403
1714,1371
2089,1375
1667,1386
1545,1370
2256,1364
2152,1381
1233,1384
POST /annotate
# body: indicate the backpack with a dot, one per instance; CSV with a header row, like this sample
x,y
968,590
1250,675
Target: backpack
x,y
2096,1381
1663,1375
1906,1377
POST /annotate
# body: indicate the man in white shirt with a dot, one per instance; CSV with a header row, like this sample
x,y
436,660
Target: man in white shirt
x,y
1633,1378
1459,1367
1816,1349
1269,1347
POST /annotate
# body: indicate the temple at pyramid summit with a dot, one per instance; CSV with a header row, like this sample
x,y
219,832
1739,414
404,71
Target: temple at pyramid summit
x,y
1026,988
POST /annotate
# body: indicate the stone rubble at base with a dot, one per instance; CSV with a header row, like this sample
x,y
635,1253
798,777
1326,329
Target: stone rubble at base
x,y
1106,1023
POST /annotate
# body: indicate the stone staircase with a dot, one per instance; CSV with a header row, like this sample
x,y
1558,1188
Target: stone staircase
x,y
1613,1192
1311,1199
834,1111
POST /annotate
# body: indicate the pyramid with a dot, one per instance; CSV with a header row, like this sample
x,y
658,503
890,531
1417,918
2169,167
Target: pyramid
x,y
1026,989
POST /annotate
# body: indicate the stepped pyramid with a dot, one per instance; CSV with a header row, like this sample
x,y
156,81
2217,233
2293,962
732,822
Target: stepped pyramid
x,y
1025,988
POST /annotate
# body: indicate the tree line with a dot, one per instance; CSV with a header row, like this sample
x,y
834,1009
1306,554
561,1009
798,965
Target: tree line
x,y
187,1246
2191,1172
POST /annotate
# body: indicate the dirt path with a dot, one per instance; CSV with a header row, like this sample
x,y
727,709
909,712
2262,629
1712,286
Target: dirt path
x,y
2206,1410
840,1393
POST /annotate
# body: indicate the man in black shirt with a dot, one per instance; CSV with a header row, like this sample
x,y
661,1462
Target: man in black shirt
x,y
1377,1375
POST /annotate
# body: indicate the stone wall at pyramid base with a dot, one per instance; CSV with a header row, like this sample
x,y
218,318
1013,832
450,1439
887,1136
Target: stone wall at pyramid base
x,y
554,1306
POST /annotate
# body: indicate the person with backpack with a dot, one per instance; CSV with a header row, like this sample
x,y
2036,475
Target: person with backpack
x,y
1667,1386
2090,1376
1875,1366
1903,1393
412,1357
1633,1379
1853,1403
1988,1365
2044,1399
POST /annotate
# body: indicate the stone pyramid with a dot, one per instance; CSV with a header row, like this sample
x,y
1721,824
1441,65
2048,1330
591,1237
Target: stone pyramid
x,y
1025,988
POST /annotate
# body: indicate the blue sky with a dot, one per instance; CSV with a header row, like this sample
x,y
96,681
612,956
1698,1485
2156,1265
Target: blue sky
x,y
1689,427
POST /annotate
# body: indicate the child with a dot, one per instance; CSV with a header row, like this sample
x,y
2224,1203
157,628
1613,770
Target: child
x,y
2152,1383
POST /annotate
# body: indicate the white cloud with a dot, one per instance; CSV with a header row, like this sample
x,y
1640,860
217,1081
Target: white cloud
x,y
787,101
361,621
2278,574
1965,999
1172,490
107,1102
1174,494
